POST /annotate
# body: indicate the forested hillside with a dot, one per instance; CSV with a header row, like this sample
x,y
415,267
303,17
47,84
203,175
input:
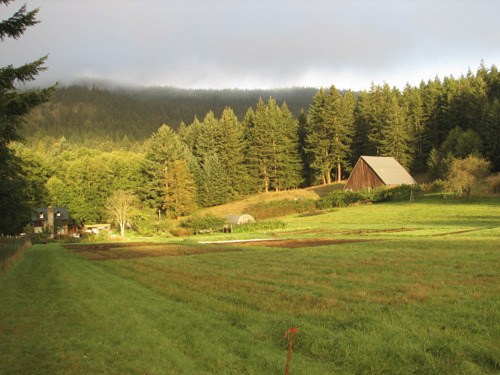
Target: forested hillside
x,y
95,111
88,143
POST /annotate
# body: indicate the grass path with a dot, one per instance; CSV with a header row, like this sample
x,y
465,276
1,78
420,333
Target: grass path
x,y
411,302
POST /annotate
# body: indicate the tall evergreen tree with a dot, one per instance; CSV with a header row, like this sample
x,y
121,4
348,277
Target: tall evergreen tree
x,y
317,139
489,132
415,123
289,174
161,151
273,146
213,182
339,120
14,106
179,190
394,135
307,172
230,144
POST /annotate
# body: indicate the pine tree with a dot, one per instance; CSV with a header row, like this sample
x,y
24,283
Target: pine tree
x,y
207,136
161,151
339,120
14,106
330,131
213,185
273,146
179,190
489,132
415,123
230,145
317,138
289,167
395,137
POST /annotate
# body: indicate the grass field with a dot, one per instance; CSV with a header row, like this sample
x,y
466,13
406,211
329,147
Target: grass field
x,y
420,295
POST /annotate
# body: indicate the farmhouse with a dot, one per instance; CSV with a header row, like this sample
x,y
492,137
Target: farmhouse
x,y
54,219
374,171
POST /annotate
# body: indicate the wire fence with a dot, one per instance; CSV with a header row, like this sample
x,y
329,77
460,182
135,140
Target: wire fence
x,y
11,249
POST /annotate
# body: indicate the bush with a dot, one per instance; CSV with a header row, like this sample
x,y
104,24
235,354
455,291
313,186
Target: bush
x,y
259,226
181,232
437,186
204,223
467,175
345,198
340,198
283,207
101,236
493,183
398,193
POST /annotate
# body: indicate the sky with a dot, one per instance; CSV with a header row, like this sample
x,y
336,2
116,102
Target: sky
x,y
257,43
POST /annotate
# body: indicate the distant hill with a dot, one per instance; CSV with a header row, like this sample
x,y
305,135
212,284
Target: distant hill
x,y
93,111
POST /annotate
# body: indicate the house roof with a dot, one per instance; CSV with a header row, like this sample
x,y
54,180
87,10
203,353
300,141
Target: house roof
x,y
35,213
389,170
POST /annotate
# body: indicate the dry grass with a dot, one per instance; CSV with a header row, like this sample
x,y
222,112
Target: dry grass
x,y
239,207
113,251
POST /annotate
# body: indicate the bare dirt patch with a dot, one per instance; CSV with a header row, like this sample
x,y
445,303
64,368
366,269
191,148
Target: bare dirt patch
x,y
113,251
296,243
457,232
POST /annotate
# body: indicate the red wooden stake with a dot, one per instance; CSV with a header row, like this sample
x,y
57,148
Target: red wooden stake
x,y
290,333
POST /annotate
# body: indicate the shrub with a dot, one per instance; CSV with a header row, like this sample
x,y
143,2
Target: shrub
x,y
437,186
283,207
259,226
398,193
493,183
345,198
340,198
207,222
181,232
466,175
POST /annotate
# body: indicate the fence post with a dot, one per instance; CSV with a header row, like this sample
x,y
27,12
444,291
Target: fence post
x,y
290,333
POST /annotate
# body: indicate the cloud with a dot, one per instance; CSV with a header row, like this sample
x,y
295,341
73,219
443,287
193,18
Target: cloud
x,y
223,43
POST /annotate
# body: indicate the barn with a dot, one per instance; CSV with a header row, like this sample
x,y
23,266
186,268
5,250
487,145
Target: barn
x,y
375,171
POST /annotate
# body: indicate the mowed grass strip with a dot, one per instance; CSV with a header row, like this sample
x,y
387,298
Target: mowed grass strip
x,y
383,307
401,304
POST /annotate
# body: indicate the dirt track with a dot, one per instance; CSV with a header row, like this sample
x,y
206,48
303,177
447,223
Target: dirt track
x,y
131,250
292,244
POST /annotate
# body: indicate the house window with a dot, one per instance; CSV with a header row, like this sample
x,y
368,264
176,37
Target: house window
x,y
58,214
40,215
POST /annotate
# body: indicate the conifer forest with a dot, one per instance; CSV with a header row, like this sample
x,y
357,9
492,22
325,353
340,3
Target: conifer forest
x,y
177,150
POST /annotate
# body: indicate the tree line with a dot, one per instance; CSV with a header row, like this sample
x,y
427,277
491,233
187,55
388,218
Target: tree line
x,y
218,159
222,155
90,112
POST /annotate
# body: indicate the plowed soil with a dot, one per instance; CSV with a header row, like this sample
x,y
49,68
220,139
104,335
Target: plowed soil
x,y
292,244
113,251
132,250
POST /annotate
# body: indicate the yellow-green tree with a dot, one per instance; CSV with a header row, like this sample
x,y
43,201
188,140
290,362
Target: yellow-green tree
x,y
121,206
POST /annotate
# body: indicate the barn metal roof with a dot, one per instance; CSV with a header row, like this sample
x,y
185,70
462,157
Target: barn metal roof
x,y
389,170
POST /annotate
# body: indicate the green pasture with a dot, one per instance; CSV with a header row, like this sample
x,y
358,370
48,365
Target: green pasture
x,y
422,298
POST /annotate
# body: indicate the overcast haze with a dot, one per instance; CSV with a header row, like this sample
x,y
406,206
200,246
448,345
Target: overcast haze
x,y
257,44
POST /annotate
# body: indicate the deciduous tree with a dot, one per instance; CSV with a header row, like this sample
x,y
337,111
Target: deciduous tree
x,y
467,174
121,206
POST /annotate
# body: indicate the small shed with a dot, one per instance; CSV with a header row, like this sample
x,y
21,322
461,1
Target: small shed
x,y
375,171
240,219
